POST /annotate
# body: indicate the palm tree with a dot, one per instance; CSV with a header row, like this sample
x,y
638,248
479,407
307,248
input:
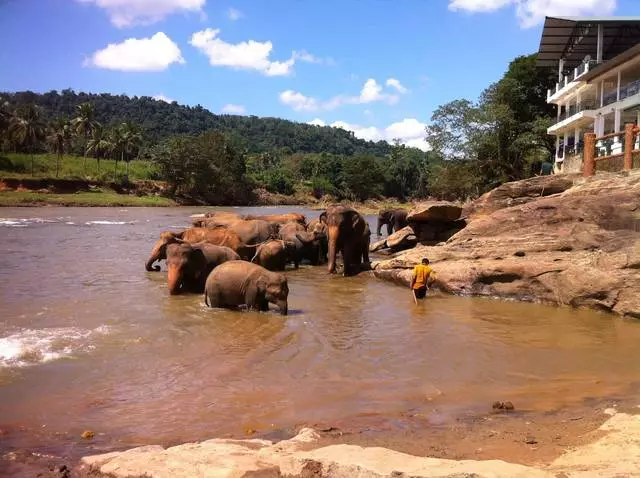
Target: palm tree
x,y
132,139
6,119
59,139
117,148
84,123
99,144
28,130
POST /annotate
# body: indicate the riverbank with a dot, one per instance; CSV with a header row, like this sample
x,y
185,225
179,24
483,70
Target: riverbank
x,y
601,440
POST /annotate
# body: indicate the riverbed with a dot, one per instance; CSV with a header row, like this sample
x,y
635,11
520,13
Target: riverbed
x,y
91,341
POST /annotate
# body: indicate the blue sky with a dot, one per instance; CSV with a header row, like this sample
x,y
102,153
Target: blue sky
x,y
377,67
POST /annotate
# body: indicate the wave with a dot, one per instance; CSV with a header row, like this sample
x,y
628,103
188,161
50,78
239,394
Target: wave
x,y
108,223
22,222
32,347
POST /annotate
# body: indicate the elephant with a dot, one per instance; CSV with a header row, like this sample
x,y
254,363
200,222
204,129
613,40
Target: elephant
x,y
254,231
217,218
319,230
220,236
281,218
395,219
349,234
236,283
306,244
275,254
189,265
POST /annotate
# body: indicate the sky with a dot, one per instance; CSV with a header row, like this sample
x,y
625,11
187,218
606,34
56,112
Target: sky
x,y
378,68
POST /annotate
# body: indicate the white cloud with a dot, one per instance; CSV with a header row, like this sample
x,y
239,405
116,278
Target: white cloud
x,y
392,82
409,131
162,97
371,92
233,14
144,54
298,101
246,55
532,12
125,13
233,109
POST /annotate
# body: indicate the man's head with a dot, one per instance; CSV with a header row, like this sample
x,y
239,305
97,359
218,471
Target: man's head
x,y
425,261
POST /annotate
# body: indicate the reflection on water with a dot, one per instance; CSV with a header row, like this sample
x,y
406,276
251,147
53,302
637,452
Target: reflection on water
x,y
89,339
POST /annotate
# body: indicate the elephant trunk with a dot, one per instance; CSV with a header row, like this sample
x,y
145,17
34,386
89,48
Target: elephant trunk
x,y
380,224
173,279
283,306
333,247
159,252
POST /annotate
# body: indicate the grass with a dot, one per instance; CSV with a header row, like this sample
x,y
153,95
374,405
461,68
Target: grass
x,y
16,165
94,198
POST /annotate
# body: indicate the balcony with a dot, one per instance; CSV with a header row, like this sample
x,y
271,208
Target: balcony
x,y
566,84
575,116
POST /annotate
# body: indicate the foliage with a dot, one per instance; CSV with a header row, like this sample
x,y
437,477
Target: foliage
x,y
205,167
500,135
97,198
160,120
28,130
362,177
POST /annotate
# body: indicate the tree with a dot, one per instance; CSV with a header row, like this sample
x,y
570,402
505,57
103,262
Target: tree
x,y
59,139
131,141
362,177
118,145
28,130
100,144
84,124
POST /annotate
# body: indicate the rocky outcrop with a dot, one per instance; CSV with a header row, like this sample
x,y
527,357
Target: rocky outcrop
x,y
434,211
580,247
400,240
617,453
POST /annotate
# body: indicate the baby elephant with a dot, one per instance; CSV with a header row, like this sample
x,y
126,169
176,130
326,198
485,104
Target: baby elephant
x,y
236,283
275,254
189,264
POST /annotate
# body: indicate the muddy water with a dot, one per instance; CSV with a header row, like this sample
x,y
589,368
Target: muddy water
x,y
90,340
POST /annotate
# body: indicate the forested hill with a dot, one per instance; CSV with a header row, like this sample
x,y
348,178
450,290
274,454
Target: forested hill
x,y
160,120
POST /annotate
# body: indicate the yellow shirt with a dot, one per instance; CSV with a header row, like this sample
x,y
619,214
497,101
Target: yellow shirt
x,y
422,273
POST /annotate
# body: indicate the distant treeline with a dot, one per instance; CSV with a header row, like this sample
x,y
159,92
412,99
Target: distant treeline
x,y
160,120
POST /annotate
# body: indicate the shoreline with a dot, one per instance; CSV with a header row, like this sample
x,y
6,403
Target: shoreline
x,y
522,438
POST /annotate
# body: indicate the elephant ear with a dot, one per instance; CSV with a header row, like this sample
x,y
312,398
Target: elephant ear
x,y
353,217
305,237
199,261
261,285
323,217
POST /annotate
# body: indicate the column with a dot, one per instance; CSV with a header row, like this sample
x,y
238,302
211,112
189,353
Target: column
x,y
565,142
600,43
618,88
557,148
576,139
617,143
560,68
628,146
601,93
589,154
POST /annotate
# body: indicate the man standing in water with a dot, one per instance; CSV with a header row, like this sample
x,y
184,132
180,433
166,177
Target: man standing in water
x,y
423,277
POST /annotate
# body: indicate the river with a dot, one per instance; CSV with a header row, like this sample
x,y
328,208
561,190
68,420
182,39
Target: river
x,y
90,340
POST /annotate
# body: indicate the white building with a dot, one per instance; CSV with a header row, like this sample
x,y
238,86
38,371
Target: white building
x,y
598,88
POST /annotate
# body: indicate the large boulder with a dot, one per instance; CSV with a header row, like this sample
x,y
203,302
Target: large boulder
x,y
405,238
443,211
520,192
579,248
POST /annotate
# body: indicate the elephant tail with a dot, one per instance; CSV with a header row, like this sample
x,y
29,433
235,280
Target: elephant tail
x,y
206,298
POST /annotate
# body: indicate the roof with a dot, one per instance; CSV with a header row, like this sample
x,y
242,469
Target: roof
x,y
572,38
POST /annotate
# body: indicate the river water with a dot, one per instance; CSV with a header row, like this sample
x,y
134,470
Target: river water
x,y
90,340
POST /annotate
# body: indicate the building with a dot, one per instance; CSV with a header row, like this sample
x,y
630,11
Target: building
x,y
598,88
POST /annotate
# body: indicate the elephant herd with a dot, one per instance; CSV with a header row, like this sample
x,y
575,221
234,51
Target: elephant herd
x,y
236,260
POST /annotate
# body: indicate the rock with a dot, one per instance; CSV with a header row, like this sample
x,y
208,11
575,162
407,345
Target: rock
x,y
434,211
264,459
519,192
87,435
580,248
503,405
376,246
405,238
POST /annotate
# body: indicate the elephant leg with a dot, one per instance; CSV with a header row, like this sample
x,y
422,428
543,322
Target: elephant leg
x,y
264,305
348,258
389,228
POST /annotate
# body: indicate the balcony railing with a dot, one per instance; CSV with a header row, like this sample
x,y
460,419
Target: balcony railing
x,y
573,75
575,109
630,89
